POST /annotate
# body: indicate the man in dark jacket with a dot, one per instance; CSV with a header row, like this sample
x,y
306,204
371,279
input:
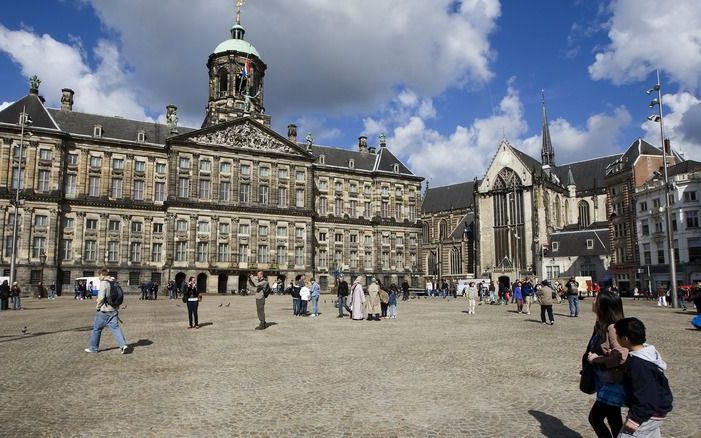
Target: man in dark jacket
x,y
4,295
572,290
342,295
405,291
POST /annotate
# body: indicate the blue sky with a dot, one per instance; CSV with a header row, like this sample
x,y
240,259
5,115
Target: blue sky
x,y
445,80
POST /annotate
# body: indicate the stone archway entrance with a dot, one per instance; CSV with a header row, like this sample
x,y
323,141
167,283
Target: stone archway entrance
x,y
222,282
179,278
243,282
202,283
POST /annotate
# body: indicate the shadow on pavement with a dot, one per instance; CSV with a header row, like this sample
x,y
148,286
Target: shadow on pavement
x,y
132,346
30,334
533,320
552,426
205,324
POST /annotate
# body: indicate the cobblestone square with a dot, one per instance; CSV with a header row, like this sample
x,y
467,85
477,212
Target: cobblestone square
x,y
434,371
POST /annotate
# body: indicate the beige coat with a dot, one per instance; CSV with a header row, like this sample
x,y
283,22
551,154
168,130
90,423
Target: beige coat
x,y
545,296
372,304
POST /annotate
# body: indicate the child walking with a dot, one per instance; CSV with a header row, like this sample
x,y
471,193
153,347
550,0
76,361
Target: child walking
x,y
649,398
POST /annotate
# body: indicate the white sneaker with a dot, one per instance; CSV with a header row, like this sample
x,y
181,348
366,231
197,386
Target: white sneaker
x,y
312,315
124,349
87,350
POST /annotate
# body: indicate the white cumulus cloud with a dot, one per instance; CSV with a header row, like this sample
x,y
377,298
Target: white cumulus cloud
x,y
646,34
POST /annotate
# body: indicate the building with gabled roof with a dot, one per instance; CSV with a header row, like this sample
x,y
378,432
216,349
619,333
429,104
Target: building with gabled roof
x,y
157,201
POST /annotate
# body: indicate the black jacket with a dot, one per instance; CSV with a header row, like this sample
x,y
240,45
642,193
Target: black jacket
x,y
343,289
647,389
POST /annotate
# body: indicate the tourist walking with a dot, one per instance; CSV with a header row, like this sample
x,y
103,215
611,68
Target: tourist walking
x,y
262,292
545,298
296,300
342,295
372,304
107,316
357,300
405,291
305,293
384,300
392,301
192,298
662,297
572,290
41,290
471,294
315,298
492,297
518,296
16,296
527,292
610,394
4,296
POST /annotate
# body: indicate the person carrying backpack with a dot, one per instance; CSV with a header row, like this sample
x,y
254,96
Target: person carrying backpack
x,y
109,298
573,297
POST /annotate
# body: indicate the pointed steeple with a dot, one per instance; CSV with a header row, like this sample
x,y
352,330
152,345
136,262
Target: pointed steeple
x,y
547,153
570,177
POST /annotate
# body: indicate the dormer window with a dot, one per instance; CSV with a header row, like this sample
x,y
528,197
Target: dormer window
x,y
322,159
351,164
395,168
97,131
590,244
141,136
556,246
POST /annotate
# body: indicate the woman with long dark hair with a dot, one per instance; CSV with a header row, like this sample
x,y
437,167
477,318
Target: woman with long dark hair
x,y
192,299
606,355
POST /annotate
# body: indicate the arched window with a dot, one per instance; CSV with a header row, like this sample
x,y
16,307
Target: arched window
x,y
443,230
426,233
455,261
584,220
558,213
567,212
223,82
431,264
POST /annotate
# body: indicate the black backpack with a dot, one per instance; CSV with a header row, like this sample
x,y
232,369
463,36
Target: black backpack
x,y
116,295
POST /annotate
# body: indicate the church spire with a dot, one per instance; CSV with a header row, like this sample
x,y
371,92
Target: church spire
x,y
547,153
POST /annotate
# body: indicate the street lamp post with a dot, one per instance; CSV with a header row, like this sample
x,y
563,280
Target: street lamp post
x,y
24,120
657,102
42,260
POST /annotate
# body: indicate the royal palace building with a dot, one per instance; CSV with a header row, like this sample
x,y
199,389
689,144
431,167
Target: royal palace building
x,y
154,202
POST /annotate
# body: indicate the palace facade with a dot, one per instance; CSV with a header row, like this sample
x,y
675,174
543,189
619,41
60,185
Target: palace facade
x,y
154,202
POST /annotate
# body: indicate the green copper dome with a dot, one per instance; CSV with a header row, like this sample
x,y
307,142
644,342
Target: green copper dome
x,y
237,43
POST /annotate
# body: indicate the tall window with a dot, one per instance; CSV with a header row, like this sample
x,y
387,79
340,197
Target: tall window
x,y
223,82
367,261
112,251
138,191
299,198
282,196
202,251
159,192
135,252
90,250
455,261
156,251
263,195
183,187
181,251
243,253
322,206
583,208
204,187
443,230
299,256
338,207
71,187
67,250
322,258
353,208
224,191
281,256
116,188
509,243
244,193
385,209
367,210
94,186
43,181
262,253
223,252
38,247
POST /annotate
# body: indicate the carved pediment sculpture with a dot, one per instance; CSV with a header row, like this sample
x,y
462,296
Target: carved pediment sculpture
x,y
244,135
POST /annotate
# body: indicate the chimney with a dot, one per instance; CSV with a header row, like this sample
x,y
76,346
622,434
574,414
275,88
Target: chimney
x,y
67,99
292,132
363,143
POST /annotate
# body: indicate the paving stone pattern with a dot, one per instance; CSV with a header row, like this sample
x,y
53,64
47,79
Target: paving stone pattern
x,y
434,371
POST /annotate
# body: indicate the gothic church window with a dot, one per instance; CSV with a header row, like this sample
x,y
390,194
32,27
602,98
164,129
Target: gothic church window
x,y
455,262
583,208
442,230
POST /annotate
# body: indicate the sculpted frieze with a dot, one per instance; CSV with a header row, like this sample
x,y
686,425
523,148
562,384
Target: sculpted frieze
x,y
244,136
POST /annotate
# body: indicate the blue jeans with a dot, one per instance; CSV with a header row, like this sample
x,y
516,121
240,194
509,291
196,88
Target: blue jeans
x,y
296,306
102,320
315,305
574,304
342,305
16,302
